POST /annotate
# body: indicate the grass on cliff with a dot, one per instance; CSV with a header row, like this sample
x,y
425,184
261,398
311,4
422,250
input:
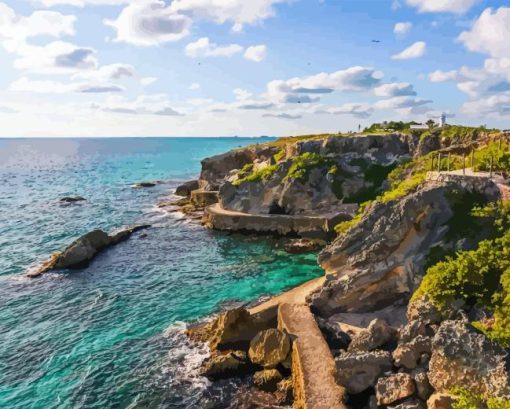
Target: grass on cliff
x,y
469,400
479,277
258,176
500,157
303,164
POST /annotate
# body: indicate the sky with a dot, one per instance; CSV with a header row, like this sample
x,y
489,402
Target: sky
x,y
249,68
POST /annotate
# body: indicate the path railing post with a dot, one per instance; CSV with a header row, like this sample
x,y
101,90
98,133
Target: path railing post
x,y
473,160
439,163
448,163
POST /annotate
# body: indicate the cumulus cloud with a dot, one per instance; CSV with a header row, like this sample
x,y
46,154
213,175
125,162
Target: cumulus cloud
x,y
81,3
252,105
308,89
195,86
443,76
242,94
356,109
143,105
55,87
442,6
204,48
283,115
256,53
108,72
416,50
402,28
401,102
489,33
395,90
149,23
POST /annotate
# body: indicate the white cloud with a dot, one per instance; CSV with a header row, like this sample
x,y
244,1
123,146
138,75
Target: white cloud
x,y
108,72
443,76
395,90
283,115
146,81
489,34
54,87
49,23
308,89
494,105
402,28
195,86
82,3
416,50
356,109
242,94
157,104
149,23
256,53
204,48
400,102
442,6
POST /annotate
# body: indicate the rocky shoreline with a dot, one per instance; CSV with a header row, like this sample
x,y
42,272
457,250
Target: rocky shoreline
x,y
358,338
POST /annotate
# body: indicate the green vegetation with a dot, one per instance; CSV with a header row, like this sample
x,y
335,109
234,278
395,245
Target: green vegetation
x,y
468,400
375,175
479,277
245,171
387,126
344,227
259,175
500,157
303,164
280,155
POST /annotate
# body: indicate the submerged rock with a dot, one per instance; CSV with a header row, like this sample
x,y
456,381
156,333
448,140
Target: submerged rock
x,y
72,199
299,246
464,357
269,348
144,184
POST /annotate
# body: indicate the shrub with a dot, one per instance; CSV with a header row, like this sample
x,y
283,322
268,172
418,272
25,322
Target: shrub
x,y
303,164
245,171
280,155
259,175
344,227
500,157
469,400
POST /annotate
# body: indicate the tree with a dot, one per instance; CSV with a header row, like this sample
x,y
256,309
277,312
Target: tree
x,y
430,123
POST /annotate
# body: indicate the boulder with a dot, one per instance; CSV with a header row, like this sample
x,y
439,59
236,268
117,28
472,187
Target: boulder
x,y
225,365
285,391
374,336
359,371
186,188
409,404
423,388
267,379
408,354
464,357
299,246
126,233
382,259
411,330
421,309
203,198
81,251
144,184
269,348
335,337
394,388
441,401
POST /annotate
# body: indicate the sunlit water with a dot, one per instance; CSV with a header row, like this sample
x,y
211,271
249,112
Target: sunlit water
x,y
109,336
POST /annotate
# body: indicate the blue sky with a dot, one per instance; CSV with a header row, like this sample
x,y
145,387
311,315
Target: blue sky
x,y
237,67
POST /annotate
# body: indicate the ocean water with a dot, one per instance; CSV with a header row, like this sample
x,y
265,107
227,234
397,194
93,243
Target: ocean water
x,y
110,335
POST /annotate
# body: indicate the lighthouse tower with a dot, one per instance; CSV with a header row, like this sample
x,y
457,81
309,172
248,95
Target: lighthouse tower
x,y
442,120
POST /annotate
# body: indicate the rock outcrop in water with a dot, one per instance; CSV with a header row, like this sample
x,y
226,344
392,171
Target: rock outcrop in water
x,y
81,251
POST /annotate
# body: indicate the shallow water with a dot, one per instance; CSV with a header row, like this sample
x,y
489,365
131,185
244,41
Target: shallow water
x,y
109,336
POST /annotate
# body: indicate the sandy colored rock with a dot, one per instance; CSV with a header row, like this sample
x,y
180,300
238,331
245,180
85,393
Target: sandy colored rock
x,y
409,404
358,371
441,401
423,387
224,365
269,348
374,336
394,388
267,380
186,188
408,354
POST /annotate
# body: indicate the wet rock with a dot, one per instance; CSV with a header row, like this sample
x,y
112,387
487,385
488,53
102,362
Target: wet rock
x,y
423,387
269,348
409,404
126,233
267,380
186,188
299,246
81,251
463,357
441,401
225,365
359,371
72,199
394,388
202,198
374,336
408,354
144,184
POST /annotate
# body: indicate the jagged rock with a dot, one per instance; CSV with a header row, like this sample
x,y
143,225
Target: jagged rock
x,y
299,246
224,365
394,388
374,336
202,198
409,404
408,354
335,337
463,357
126,233
82,250
381,260
423,387
421,309
186,188
359,371
269,348
441,401
72,199
267,380
411,330
233,328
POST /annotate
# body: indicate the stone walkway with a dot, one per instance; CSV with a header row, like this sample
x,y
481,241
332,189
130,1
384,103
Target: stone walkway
x,y
313,366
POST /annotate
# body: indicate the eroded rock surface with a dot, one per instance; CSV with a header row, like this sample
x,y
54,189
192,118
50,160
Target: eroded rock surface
x,y
394,388
269,348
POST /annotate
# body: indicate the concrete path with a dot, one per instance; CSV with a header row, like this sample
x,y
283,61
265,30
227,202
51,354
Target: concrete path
x,y
313,366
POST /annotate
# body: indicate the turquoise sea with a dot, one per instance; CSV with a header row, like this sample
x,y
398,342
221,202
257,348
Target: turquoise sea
x,y
109,336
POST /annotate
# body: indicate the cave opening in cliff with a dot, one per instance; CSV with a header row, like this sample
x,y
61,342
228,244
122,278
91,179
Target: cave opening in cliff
x,y
275,208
